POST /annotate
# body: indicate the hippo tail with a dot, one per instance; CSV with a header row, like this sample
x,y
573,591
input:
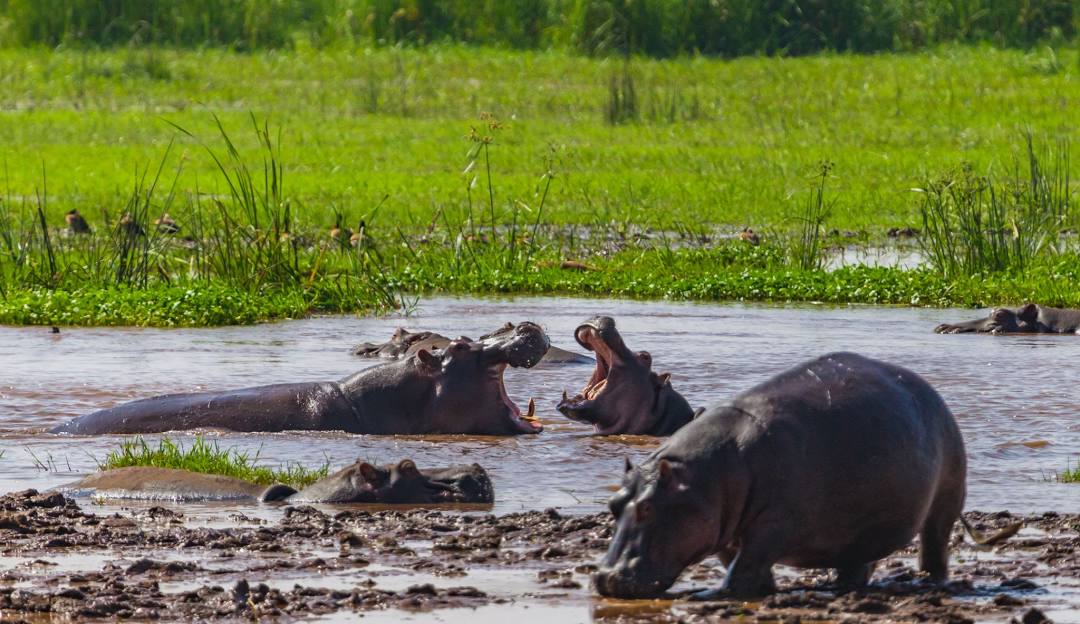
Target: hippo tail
x,y
276,492
983,539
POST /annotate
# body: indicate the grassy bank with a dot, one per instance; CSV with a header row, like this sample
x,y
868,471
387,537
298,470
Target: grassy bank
x,y
206,457
711,141
642,182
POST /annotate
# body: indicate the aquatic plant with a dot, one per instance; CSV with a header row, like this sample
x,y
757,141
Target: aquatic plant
x,y
986,223
207,457
1071,474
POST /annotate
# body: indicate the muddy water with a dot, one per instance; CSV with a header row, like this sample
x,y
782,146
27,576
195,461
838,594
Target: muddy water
x,y
1016,398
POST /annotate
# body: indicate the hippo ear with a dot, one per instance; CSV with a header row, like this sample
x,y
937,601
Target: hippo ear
x,y
426,359
1029,313
671,475
407,468
645,358
368,472
628,466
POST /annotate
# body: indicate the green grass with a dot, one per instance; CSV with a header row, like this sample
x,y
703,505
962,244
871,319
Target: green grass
x,y
749,132
459,200
1071,474
206,457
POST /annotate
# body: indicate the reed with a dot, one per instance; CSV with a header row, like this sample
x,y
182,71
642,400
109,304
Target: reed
x,y
976,224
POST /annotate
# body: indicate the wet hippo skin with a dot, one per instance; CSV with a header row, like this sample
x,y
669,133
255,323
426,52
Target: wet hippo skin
x,y
1027,319
458,389
624,395
404,343
834,463
361,482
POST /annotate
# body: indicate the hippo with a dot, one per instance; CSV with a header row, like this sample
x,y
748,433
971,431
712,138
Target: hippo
x,y
404,343
834,463
1028,319
458,389
361,482
624,395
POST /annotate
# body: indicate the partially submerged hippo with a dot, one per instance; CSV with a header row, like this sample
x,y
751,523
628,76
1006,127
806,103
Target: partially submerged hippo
x,y
404,343
624,395
834,463
401,483
1028,319
458,389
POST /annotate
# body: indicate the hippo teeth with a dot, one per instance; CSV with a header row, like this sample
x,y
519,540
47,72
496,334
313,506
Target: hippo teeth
x,y
530,414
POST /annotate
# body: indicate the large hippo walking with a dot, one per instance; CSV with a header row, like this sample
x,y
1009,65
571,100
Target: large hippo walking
x,y
1027,319
458,389
834,463
361,482
624,395
404,343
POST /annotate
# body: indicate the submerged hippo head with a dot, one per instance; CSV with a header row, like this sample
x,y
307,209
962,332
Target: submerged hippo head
x,y
393,484
664,522
467,377
623,395
999,321
400,344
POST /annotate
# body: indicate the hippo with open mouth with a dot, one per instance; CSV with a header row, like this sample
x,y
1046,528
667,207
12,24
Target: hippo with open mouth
x,y
1028,319
404,343
834,463
458,389
361,482
624,395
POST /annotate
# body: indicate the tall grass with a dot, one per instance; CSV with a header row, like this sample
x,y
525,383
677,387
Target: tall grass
x,y
242,237
988,223
208,458
651,27
805,249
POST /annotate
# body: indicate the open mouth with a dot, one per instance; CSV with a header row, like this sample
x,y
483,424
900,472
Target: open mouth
x,y
527,421
589,337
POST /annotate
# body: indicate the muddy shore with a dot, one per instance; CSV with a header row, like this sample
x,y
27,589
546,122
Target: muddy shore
x,y
63,561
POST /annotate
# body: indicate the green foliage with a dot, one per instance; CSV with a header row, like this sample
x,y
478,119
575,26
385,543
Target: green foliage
x,y
650,27
207,458
1071,474
974,224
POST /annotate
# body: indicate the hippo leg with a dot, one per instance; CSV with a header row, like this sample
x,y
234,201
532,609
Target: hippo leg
x,y
855,576
749,575
936,531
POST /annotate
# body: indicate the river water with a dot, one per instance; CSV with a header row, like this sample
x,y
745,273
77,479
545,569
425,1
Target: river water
x,y
1014,397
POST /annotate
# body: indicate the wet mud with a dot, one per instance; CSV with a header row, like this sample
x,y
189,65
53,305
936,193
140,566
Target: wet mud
x,y
60,559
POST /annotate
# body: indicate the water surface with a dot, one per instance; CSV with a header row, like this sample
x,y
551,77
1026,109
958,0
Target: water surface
x,y
1014,397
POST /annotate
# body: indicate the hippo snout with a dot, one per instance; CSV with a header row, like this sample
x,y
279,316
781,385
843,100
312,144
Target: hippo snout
x,y
523,348
620,583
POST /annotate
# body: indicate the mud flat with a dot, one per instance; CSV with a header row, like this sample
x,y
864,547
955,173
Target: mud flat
x,y
61,560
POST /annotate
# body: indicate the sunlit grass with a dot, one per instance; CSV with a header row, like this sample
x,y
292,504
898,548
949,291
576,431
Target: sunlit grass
x,y
207,457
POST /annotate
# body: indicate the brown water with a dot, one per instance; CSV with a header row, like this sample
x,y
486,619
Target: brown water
x,y
1014,397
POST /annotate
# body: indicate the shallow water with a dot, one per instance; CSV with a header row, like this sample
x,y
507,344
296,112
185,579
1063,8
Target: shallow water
x,y
1005,391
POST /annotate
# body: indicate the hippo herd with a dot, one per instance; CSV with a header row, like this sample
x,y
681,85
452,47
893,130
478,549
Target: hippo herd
x,y
834,463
